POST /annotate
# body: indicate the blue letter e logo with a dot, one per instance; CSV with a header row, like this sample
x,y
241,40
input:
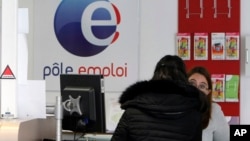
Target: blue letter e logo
x,y
86,27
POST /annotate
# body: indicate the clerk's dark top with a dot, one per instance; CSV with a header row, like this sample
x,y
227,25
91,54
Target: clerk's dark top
x,y
160,110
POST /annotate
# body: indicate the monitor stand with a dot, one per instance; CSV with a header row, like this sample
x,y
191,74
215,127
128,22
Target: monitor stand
x,y
72,105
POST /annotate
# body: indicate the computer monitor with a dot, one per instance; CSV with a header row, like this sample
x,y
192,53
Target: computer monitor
x,y
83,103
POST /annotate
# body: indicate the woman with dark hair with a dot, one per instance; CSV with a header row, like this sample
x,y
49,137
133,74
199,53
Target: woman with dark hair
x,y
215,126
164,108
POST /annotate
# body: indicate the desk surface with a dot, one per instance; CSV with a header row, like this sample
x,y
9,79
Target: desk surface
x,y
38,129
25,129
67,135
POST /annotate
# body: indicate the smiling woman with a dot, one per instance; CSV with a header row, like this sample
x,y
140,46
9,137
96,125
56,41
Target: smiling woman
x,y
215,126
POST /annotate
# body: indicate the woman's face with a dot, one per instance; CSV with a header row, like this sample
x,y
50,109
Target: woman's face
x,y
200,82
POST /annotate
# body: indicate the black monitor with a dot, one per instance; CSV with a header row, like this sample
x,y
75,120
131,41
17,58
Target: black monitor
x,y
83,103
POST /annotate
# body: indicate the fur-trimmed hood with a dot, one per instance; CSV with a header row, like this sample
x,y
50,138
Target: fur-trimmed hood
x,y
160,96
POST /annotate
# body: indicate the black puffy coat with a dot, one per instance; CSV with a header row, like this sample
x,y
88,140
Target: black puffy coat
x,y
160,110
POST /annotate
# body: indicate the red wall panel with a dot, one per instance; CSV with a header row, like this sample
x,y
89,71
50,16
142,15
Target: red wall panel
x,y
209,24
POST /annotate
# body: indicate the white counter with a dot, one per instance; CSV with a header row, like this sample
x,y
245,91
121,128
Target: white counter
x,y
27,129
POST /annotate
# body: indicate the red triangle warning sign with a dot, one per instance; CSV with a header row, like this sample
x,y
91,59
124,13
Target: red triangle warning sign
x,y
7,73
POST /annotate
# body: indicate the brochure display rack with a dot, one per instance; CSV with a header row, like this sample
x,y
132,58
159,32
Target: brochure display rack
x,y
218,46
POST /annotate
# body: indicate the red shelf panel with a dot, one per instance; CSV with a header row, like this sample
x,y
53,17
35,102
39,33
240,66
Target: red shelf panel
x,y
210,24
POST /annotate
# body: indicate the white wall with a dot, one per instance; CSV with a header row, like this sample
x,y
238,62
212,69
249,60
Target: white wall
x,y
158,27
29,4
245,80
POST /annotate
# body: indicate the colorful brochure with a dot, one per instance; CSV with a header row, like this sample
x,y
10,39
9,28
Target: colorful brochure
x,y
232,88
200,46
218,88
183,45
218,46
232,46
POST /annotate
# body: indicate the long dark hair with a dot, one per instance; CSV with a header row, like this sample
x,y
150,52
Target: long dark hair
x,y
170,67
203,71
